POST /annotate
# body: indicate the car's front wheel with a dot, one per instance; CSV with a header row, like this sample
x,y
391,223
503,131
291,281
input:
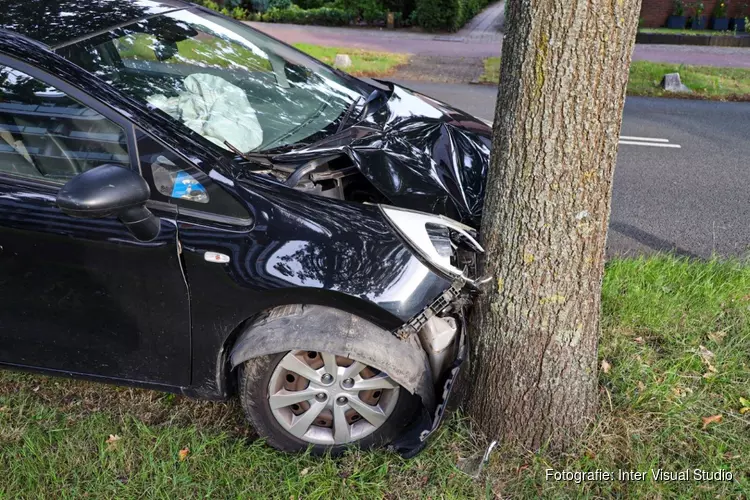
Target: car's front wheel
x,y
298,399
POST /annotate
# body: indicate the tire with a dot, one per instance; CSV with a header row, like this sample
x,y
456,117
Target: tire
x,y
254,383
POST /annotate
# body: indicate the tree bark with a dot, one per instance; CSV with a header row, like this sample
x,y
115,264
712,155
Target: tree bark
x,y
535,333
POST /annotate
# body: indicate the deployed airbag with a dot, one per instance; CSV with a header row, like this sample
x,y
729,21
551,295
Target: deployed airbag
x,y
216,109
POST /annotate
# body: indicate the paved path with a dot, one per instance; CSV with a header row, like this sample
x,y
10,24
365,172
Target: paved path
x,y
405,42
482,42
693,200
487,25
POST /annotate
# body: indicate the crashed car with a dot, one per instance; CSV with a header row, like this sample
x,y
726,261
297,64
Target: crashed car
x,y
191,206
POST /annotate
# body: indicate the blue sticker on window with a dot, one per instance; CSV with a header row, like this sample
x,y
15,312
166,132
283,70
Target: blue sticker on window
x,y
187,187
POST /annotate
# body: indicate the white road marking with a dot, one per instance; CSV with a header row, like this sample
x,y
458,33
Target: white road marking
x,y
632,140
652,144
644,139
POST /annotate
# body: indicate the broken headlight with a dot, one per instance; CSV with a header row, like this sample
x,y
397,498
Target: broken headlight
x,y
440,236
434,237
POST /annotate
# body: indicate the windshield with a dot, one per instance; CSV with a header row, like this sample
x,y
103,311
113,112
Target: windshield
x,y
226,82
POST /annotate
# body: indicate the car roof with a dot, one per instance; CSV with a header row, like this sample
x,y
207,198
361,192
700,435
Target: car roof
x,y
55,22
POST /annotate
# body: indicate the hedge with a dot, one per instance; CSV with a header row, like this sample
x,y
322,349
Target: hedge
x,y
433,15
323,16
447,15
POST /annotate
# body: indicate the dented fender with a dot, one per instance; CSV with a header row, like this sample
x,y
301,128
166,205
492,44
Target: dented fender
x,y
319,328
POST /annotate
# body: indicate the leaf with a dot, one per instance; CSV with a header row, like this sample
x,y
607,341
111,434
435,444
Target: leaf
x,y
606,366
714,419
112,441
745,406
717,337
183,454
706,355
641,386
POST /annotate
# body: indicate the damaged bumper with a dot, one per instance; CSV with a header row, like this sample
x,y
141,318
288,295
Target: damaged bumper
x,y
447,363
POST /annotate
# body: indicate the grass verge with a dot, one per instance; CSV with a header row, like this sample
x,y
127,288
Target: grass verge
x,y
676,337
688,32
707,82
364,62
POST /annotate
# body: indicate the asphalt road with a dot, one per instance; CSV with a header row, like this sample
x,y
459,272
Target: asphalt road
x,y
693,200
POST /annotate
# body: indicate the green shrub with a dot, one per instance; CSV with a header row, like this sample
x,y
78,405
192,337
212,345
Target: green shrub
x,y
324,16
279,4
259,5
447,15
239,13
209,4
367,10
311,4
439,15
405,7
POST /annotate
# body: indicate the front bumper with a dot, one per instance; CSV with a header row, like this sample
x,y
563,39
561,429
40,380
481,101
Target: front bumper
x,y
414,439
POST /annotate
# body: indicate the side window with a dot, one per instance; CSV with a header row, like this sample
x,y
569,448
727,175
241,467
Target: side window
x,y
177,181
47,135
182,183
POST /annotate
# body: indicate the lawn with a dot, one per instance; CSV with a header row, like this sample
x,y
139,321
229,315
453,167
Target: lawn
x,y
221,53
364,62
707,82
675,344
686,31
211,51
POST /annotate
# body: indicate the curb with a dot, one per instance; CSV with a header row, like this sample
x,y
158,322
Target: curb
x,y
710,40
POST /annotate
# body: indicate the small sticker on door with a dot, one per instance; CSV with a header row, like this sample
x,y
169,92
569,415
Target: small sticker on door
x,y
216,257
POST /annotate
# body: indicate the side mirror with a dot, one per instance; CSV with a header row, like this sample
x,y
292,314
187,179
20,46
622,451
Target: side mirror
x,y
111,190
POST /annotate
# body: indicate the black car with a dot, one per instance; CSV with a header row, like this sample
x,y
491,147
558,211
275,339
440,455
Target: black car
x,y
191,206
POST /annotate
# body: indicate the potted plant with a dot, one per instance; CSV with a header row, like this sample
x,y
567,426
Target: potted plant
x,y
677,20
721,21
698,20
737,22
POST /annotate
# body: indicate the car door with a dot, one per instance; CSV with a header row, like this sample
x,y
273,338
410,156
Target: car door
x,y
80,295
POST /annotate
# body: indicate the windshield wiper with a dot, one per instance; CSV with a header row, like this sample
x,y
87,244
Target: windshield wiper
x,y
349,111
374,96
253,157
366,107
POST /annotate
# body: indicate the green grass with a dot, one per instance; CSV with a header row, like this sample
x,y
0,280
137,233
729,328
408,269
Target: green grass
x,y
204,52
491,71
364,62
657,313
686,31
707,82
196,52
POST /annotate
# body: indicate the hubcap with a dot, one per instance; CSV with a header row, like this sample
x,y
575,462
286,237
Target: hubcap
x,y
326,399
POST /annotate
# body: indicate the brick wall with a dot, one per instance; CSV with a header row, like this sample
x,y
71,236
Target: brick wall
x,y
655,12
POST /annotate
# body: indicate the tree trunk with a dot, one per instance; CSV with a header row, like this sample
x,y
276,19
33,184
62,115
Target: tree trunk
x,y
535,333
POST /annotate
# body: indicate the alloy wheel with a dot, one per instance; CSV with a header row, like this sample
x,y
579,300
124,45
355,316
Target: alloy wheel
x,y
326,399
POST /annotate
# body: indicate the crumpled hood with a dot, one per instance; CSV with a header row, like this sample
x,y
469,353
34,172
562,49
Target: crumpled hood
x,y
418,152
